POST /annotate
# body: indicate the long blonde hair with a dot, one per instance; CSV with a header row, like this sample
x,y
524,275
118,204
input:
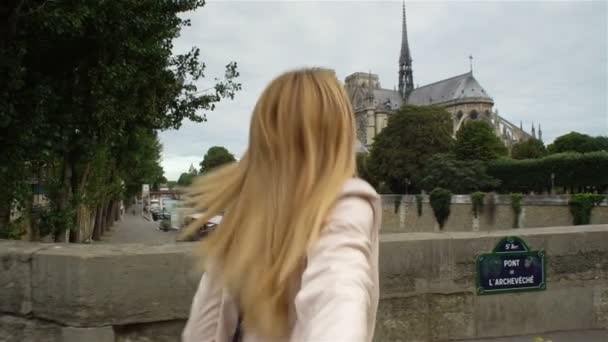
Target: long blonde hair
x,y
301,151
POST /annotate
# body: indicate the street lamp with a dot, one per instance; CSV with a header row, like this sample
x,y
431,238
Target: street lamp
x,y
407,183
552,183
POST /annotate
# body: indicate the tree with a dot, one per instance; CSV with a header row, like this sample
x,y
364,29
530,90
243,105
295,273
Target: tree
x,y
458,176
215,156
362,169
185,179
577,142
529,149
476,141
79,82
412,136
171,184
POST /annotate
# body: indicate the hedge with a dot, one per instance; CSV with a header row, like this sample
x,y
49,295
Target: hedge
x,y
440,200
571,170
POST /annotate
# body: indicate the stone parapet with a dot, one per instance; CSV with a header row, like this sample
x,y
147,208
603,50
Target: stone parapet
x,y
133,292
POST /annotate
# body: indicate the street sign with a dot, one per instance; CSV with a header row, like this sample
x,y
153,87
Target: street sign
x,y
511,267
145,190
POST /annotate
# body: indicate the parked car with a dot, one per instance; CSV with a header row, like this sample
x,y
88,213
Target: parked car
x,y
157,214
205,229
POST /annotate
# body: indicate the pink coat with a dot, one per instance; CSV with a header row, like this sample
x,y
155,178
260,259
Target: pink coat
x,y
338,296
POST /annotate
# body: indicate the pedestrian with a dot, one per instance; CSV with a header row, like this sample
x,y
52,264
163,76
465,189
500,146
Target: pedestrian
x,y
295,257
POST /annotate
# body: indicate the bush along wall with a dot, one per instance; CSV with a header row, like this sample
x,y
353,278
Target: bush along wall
x,y
477,202
440,202
516,206
419,204
581,206
572,171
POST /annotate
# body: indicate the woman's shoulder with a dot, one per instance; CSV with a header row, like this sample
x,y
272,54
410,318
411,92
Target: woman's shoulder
x,y
357,203
358,187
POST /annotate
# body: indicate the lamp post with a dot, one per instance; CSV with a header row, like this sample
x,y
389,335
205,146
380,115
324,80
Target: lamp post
x,y
407,184
552,183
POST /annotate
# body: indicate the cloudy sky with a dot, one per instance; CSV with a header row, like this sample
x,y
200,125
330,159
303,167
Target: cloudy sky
x,y
542,62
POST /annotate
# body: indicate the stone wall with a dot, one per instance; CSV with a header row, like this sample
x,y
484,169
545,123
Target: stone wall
x,y
67,292
428,286
132,292
400,214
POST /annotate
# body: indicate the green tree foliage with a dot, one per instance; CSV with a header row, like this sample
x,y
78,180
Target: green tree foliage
x,y
529,149
412,136
215,156
458,176
476,141
362,168
440,200
80,81
140,161
577,142
185,179
574,171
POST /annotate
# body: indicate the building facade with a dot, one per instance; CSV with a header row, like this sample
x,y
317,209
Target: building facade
x,y
462,96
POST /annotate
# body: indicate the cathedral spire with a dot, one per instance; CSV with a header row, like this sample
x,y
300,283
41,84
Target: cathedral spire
x,y
406,78
540,133
533,131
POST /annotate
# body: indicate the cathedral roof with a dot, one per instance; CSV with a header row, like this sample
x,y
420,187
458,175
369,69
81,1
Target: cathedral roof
x,y
388,99
459,87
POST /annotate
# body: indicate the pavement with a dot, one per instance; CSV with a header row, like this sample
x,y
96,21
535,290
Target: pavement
x,y
570,336
135,228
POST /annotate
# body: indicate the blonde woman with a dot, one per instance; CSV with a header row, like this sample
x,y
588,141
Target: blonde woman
x,y
296,255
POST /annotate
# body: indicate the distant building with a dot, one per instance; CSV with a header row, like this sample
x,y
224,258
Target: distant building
x,y
461,95
192,170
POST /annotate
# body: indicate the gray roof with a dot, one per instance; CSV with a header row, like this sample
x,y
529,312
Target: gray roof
x,y
455,88
387,97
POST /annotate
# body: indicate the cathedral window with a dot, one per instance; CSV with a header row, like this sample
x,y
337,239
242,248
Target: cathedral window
x,y
473,114
487,113
459,115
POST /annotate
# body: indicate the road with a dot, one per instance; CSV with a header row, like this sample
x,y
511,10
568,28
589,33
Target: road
x,y
134,228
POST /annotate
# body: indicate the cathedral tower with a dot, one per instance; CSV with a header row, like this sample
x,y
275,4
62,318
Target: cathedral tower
x,y
406,78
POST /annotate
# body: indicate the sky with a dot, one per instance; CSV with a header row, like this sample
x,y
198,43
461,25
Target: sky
x,y
542,62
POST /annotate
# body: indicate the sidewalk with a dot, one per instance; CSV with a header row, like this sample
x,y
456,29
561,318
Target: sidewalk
x,y
570,336
136,228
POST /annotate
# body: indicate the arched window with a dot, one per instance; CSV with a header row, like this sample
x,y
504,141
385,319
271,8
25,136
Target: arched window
x,y
487,113
459,115
473,114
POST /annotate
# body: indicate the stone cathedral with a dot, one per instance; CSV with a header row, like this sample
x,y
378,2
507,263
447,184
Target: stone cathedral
x,y
462,96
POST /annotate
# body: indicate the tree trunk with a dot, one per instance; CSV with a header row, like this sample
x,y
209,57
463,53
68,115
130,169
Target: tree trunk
x,y
64,195
116,211
97,225
102,213
109,216
5,213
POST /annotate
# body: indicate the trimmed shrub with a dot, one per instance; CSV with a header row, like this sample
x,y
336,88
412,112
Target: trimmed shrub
x,y
516,206
441,199
575,170
581,206
477,201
